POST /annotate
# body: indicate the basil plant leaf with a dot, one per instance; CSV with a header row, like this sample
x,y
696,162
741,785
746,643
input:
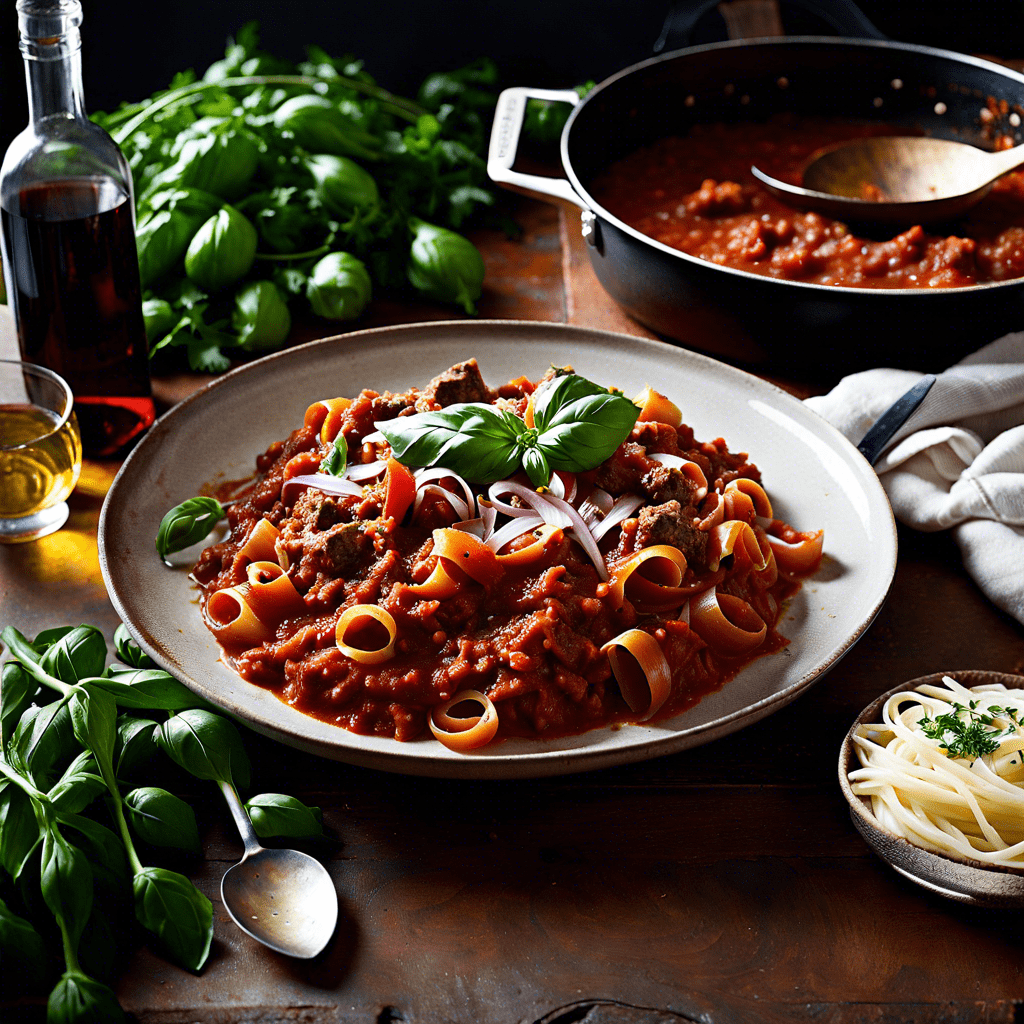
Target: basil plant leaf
x,y
151,689
472,439
81,652
94,719
66,883
129,651
162,819
171,907
48,637
135,743
103,849
535,463
19,829
78,786
79,999
276,814
24,954
205,745
187,524
43,737
17,688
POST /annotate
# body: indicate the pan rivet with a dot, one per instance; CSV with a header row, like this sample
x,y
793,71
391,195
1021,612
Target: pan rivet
x,y
590,228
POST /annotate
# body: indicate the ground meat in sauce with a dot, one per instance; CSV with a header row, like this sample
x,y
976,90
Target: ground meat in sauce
x,y
462,383
697,195
531,638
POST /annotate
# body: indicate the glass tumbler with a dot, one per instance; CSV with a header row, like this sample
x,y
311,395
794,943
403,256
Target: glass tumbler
x,y
40,451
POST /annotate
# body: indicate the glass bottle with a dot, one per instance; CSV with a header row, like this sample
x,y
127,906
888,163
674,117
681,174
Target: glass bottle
x,y
69,254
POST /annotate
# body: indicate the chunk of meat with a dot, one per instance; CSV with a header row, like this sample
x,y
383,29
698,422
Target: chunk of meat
x,y
462,383
340,550
671,524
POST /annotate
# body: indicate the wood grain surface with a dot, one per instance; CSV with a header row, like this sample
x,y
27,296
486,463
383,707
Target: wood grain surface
x,y
722,885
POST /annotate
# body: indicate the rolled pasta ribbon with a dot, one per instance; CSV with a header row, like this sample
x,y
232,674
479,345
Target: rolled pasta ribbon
x,y
726,623
659,588
464,733
544,534
468,553
437,586
655,406
734,538
641,670
325,416
263,544
399,490
271,594
712,512
746,500
797,554
232,620
360,616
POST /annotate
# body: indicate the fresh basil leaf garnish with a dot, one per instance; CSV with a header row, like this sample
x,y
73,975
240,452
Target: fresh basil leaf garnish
x,y
186,524
473,439
587,430
577,425
336,460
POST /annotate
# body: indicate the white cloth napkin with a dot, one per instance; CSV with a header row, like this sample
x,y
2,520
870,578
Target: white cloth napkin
x,y
958,462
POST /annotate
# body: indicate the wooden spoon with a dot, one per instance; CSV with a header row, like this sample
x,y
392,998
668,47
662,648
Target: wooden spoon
x,y
896,179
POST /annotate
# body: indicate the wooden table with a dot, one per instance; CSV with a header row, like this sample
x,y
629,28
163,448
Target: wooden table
x,y
724,884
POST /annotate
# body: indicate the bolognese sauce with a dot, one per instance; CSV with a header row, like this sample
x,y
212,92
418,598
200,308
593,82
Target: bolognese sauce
x,y
409,594
697,194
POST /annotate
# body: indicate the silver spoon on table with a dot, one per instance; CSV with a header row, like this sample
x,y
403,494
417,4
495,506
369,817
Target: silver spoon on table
x,y
282,898
896,180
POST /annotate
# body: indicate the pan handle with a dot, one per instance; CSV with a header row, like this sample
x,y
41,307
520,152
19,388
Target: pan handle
x,y
843,15
508,124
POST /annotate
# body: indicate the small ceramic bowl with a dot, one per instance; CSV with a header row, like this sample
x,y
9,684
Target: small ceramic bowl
x,y
961,879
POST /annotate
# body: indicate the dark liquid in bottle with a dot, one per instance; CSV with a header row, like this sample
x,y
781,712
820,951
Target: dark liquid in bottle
x,y
73,285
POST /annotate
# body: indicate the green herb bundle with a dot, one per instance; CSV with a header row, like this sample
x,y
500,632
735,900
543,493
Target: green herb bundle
x,y
72,730
311,183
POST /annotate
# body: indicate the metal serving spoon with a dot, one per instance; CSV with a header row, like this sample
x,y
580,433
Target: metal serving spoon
x,y
282,898
896,180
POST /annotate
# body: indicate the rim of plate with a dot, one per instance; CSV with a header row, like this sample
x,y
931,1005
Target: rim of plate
x,y
596,749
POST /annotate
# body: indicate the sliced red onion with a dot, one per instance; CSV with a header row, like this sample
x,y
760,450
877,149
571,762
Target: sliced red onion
x,y
422,476
366,471
563,485
459,507
622,509
581,532
473,526
334,485
509,532
539,504
596,505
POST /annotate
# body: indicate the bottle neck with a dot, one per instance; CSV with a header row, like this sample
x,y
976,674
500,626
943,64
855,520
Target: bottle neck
x,y
55,87
52,48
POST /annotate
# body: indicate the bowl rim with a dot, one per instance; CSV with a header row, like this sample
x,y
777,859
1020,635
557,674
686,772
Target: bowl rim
x,y
859,807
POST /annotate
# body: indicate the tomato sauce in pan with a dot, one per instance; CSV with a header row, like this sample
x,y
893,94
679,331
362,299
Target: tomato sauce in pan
x,y
697,194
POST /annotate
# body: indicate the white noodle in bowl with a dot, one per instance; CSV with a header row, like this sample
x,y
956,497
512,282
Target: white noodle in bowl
x,y
949,824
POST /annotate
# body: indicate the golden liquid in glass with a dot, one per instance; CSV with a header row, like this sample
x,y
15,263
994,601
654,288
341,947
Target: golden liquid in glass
x,y
39,463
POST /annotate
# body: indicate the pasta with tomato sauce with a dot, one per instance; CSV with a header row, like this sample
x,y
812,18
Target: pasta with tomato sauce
x,y
535,560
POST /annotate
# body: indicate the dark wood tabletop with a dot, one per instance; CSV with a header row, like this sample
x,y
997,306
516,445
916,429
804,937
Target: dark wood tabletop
x,y
724,884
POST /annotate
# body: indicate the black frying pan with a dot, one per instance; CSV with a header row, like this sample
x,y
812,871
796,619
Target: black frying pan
x,y
790,323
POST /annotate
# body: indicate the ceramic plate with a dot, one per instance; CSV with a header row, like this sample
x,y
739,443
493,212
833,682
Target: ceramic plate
x,y
815,478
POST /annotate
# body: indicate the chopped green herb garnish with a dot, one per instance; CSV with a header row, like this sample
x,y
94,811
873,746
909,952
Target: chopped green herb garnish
x,y
967,732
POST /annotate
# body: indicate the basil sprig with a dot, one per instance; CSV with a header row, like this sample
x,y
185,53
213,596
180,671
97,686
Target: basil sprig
x,y
577,425
187,524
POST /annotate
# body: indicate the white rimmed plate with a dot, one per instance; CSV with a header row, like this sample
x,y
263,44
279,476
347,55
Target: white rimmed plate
x,y
814,477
